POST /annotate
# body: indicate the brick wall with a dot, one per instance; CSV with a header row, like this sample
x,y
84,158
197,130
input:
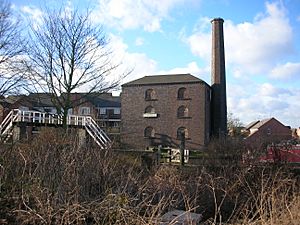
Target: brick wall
x,y
272,131
197,100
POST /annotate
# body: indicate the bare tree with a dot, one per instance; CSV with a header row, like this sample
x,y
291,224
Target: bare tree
x,y
234,125
69,54
11,50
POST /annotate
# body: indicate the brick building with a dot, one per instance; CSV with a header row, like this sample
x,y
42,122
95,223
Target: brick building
x,y
262,132
155,109
104,108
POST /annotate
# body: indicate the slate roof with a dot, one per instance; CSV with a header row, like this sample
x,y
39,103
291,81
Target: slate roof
x,y
257,124
250,125
40,99
261,123
11,99
104,100
164,79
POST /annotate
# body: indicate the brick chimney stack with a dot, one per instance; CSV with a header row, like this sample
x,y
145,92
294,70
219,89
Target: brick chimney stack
x,y
218,80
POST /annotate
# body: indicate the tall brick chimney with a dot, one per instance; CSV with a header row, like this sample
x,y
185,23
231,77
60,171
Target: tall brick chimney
x,y
218,80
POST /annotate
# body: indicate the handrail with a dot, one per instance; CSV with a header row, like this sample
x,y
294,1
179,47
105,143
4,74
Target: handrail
x,y
97,133
17,115
6,120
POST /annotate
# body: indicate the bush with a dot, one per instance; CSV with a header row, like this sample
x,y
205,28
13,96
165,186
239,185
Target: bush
x,y
53,180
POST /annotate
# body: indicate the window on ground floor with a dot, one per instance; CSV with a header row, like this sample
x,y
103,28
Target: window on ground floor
x,y
149,132
183,130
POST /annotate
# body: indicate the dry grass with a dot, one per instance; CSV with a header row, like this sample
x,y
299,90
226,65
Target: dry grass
x,y
51,180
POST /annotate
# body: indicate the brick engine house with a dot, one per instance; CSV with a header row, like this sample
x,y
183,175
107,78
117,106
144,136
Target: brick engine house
x,y
157,109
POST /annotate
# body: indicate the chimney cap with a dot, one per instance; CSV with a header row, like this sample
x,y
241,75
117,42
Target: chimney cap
x,y
219,19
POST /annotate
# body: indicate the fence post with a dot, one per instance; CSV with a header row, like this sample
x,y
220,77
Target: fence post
x,y
182,147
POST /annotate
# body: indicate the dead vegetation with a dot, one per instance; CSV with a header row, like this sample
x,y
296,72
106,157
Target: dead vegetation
x,y
51,180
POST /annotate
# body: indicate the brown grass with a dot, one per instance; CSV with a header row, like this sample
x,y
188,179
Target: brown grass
x,y
52,180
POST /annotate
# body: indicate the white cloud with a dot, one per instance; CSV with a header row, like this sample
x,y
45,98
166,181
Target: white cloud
x,y
286,71
252,101
256,46
251,47
131,14
267,89
142,65
139,63
35,14
191,68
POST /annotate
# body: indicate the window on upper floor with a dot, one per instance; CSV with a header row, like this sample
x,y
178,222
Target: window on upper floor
x,y
180,131
182,112
181,93
150,95
102,111
150,112
150,109
85,110
149,132
117,110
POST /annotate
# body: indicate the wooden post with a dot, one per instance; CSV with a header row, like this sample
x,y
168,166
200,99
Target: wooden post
x,y
158,154
182,147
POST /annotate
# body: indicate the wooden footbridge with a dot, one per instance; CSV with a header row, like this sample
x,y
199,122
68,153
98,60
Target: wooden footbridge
x,y
17,116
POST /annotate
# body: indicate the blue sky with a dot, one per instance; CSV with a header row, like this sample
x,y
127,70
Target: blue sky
x,y
262,46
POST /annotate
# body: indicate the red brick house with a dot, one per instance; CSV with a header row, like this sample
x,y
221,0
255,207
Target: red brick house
x,y
104,108
156,109
266,131
13,102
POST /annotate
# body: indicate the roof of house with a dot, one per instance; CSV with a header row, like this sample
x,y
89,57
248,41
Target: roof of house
x,y
105,100
257,125
40,99
261,123
250,125
165,79
11,99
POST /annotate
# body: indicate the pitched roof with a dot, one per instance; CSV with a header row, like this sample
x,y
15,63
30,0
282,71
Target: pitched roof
x,y
164,79
261,123
104,100
11,99
250,125
41,99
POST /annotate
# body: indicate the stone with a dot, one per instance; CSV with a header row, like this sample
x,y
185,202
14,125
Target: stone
x,y
180,217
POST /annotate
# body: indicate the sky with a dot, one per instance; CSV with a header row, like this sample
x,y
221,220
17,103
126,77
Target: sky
x,y
262,45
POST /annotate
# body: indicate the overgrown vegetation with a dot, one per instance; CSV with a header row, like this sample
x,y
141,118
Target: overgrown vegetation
x,y
52,180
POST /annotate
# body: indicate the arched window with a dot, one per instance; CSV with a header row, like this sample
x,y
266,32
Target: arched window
x,y
181,130
150,109
150,94
182,112
181,93
149,132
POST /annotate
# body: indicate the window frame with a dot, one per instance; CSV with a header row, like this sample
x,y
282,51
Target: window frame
x,y
152,132
82,110
150,95
186,133
183,114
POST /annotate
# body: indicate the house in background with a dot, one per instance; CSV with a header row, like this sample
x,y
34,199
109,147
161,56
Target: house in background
x,y
261,132
103,108
35,101
41,102
13,102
